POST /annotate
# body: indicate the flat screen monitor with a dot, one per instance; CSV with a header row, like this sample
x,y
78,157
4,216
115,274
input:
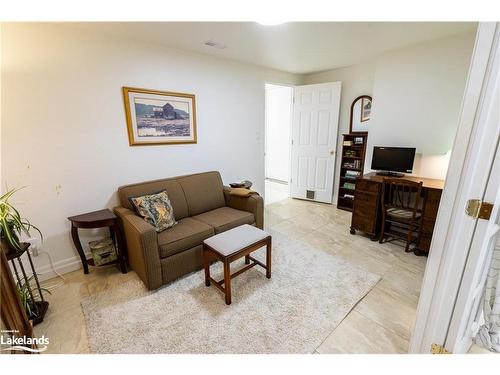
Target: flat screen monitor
x,y
393,159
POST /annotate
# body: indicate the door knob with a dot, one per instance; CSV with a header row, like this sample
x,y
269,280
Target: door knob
x,y
332,152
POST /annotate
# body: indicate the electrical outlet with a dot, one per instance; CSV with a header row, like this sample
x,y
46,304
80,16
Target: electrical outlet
x,y
34,246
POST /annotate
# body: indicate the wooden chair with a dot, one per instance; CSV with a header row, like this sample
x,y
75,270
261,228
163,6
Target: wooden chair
x,y
401,211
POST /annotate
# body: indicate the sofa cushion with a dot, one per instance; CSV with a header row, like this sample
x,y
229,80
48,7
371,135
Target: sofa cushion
x,y
172,186
155,209
203,192
225,218
187,233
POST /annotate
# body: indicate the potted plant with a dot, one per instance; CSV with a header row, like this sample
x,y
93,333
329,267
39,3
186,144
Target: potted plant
x,y
12,225
33,308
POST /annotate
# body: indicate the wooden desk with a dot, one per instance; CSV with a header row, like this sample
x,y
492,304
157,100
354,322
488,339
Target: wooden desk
x,y
367,212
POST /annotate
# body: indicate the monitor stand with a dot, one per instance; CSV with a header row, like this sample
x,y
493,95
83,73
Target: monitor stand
x,y
390,174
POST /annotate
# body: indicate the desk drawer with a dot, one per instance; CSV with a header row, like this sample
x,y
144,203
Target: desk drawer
x,y
424,242
365,211
365,201
432,199
368,186
428,225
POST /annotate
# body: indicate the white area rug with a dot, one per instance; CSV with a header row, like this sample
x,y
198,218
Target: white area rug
x,y
309,294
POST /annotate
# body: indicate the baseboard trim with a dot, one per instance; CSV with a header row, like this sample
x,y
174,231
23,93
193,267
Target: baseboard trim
x,y
63,266
276,181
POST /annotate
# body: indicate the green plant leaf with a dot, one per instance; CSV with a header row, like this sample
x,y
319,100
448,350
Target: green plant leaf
x,y
12,225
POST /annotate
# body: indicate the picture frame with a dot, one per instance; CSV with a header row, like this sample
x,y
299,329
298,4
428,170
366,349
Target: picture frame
x,y
159,117
359,123
366,109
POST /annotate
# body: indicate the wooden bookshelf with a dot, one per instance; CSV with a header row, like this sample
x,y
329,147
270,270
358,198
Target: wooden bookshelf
x,y
352,164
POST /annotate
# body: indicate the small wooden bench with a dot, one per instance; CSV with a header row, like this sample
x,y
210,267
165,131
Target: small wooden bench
x,y
232,245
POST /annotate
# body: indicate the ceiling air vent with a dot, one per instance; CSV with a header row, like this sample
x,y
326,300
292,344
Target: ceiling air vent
x,y
211,43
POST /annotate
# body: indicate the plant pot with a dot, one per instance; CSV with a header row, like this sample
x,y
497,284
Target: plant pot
x,y
42,307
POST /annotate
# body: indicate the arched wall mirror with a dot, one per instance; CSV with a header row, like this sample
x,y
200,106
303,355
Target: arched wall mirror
x,y
361,109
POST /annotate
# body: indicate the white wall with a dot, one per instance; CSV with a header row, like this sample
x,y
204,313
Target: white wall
x,y
417,91
63,124
417,95
278,127
356,80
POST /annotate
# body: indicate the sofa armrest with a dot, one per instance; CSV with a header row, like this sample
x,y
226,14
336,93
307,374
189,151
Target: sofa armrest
x,y
253,203
142,247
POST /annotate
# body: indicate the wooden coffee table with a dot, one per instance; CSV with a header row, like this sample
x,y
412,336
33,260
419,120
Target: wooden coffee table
x,y
232,245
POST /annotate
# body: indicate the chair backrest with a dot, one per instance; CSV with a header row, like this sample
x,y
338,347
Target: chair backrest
x,y
402,194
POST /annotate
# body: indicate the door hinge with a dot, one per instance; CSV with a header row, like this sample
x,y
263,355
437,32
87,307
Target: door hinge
x,y
478,209
439,349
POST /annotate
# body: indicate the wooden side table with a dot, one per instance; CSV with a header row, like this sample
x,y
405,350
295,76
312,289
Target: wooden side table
x,y
98,219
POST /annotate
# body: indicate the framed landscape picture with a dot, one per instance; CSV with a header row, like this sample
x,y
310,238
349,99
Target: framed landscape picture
x,y
366,109
159,117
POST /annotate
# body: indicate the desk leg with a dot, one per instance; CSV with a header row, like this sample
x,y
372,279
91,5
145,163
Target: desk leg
x,y
78,245
114,232
420,253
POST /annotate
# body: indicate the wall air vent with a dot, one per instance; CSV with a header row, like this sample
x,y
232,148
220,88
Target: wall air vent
x,y
218,45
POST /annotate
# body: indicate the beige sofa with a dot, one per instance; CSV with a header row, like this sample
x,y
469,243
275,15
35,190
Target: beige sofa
x,y
202,207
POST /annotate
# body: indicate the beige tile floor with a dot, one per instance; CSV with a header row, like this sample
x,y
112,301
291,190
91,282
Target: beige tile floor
x,y
380,323
275,191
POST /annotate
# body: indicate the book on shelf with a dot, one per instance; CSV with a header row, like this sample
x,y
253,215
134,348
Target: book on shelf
x,y
351,175
347,143
358,140
349,185
356,164
350,153
348,196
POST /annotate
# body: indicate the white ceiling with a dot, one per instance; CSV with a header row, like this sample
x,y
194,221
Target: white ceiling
x,y
295,47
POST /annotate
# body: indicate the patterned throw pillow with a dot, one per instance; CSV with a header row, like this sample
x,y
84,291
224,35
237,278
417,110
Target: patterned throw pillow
x,y
156,209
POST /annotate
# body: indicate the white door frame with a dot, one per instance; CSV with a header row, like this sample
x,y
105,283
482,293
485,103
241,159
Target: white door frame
x,y
289,159
467,177
292,86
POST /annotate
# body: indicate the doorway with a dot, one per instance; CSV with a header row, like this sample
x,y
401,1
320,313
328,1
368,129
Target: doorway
x,y
278,109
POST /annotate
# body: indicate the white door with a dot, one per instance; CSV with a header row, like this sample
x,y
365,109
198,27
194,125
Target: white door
x,y
467,314
314,141
448,308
